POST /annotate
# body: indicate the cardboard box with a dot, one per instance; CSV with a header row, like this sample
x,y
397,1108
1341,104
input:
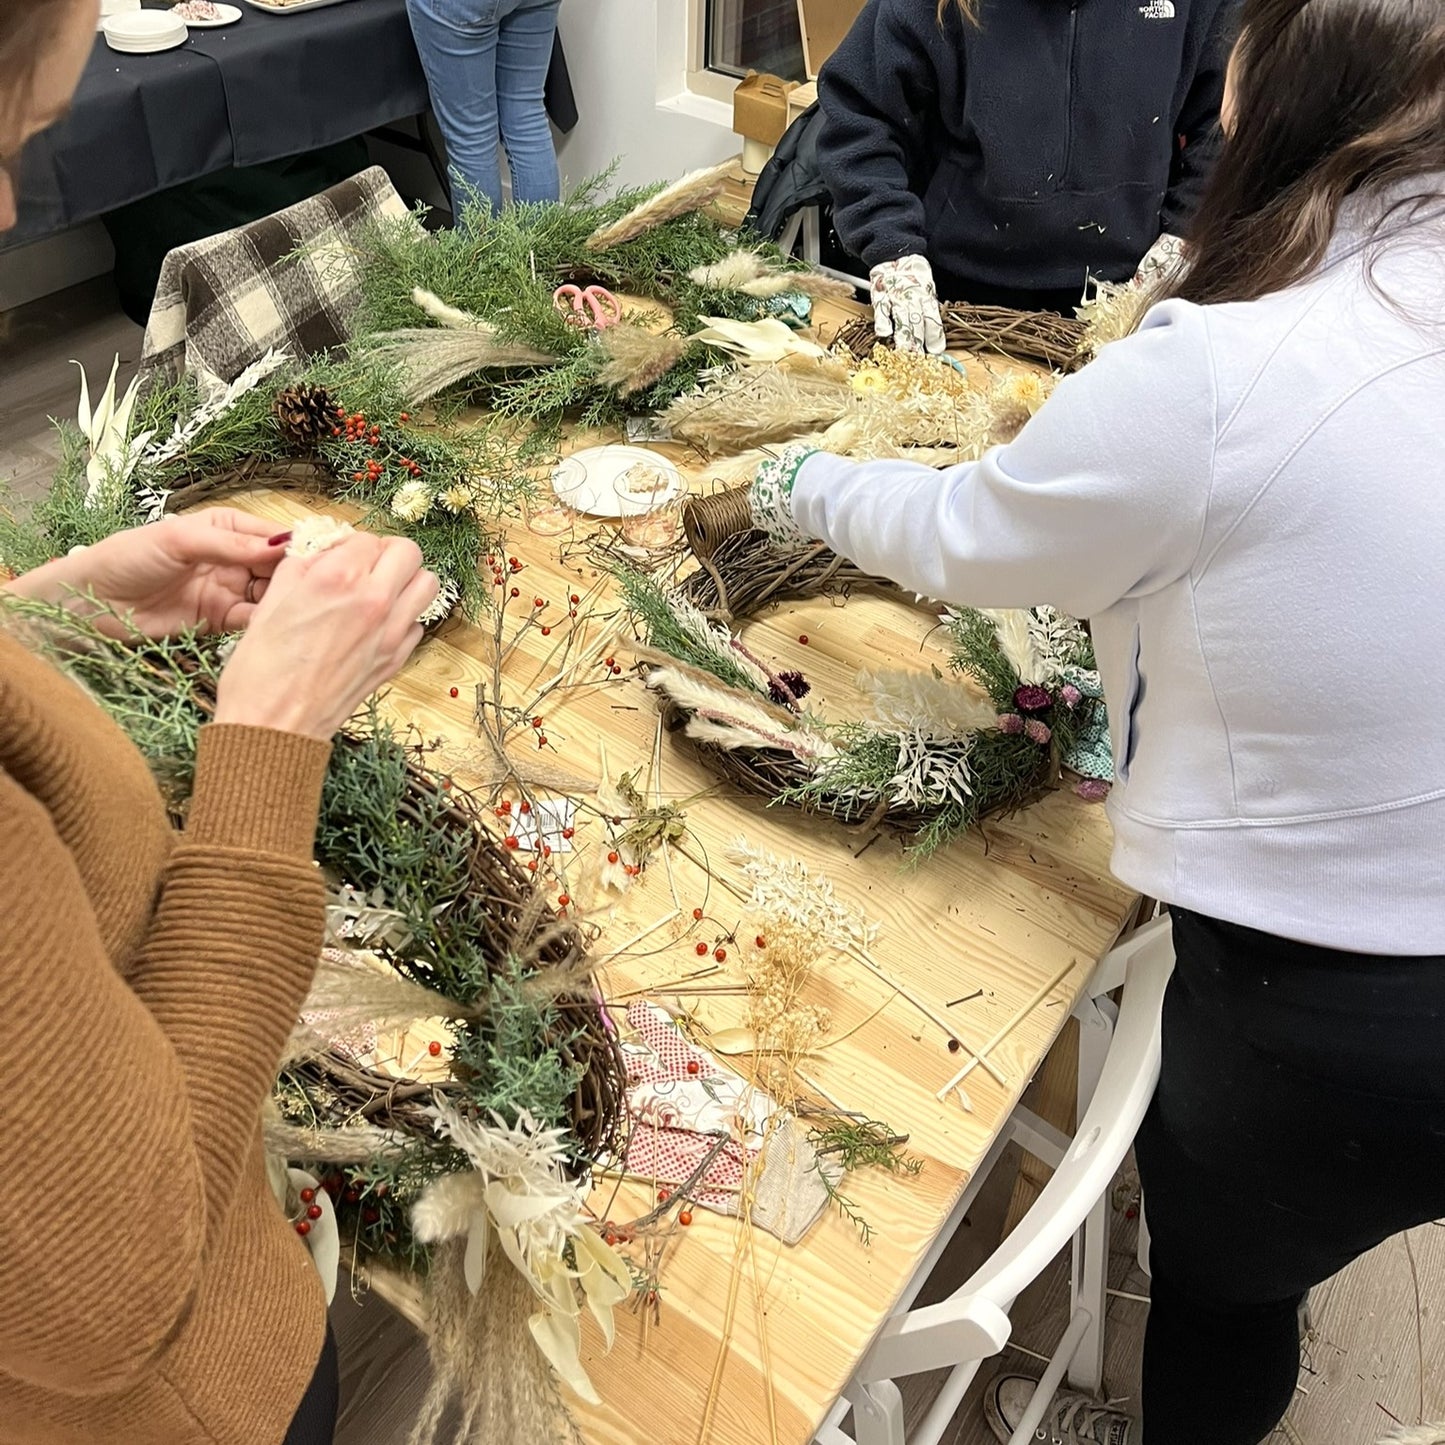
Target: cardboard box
x,y
760,108
824,23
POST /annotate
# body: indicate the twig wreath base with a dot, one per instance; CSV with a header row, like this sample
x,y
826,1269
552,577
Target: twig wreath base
x,y
433,919
995,762
1039,336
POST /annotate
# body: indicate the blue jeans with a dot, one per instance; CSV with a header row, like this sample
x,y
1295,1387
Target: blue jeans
x,y
486,65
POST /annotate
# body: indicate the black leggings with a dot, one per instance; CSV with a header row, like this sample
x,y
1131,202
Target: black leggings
x,y
1299,1121
315,1420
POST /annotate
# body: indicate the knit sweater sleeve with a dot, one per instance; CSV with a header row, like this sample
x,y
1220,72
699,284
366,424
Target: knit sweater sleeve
x,y
1103,495
132,1107
879,96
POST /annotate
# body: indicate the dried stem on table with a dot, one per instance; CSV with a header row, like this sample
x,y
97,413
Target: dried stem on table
x,y
981,1057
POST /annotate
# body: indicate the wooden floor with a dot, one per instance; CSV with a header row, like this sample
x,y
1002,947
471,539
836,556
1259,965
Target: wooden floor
x,y
1375,1357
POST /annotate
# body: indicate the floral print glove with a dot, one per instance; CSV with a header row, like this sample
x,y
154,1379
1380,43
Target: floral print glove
x,y
905,305
1165,257
770,497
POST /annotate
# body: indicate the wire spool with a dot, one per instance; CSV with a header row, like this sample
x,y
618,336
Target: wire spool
x,y
710,521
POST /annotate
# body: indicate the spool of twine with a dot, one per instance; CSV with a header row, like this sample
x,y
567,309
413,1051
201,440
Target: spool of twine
x,y
710,521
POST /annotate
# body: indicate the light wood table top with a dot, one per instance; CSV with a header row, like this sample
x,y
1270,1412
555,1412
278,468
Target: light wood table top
x,y
1004,911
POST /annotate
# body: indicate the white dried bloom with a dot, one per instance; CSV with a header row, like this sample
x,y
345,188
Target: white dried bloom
x,y
412,501
458,498
313,535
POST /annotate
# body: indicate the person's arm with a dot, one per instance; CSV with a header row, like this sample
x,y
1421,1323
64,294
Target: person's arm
x,y
132,1108
1103,494
880,92
1197,125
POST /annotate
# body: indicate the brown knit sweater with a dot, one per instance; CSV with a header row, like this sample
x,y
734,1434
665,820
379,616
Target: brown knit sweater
x,y
150,1288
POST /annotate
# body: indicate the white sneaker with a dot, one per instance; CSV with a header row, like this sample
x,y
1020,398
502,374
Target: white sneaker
x,y
1071,1419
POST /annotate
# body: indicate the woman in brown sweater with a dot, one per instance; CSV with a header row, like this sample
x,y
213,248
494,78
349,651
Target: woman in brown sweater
x,y
151,1291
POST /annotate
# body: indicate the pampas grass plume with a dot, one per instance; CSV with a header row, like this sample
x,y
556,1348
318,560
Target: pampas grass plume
x,y
638,358
434,358
681,198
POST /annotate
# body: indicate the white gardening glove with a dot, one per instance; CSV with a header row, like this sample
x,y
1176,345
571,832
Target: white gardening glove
x,y
905,305
1162,262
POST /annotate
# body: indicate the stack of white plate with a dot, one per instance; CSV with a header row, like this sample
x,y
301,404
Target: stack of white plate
x,y
141,32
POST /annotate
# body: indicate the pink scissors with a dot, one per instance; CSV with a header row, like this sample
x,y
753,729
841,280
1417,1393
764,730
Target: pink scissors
x,y
594,308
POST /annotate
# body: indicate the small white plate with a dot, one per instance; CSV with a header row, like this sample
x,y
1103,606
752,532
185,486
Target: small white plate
x,y
592,481
228,15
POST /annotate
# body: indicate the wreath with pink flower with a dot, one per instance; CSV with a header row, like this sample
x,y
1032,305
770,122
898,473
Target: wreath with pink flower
x,y
937,753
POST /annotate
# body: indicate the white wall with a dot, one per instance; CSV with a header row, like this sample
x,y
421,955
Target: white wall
x,y
629,63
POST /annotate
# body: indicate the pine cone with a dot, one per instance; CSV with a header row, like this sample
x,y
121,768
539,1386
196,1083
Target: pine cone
x,y
306,414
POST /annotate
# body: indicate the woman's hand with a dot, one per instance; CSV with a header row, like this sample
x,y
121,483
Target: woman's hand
x,y
208,569
330,630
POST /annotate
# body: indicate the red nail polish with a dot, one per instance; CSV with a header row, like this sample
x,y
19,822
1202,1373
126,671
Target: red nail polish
x,y
279,540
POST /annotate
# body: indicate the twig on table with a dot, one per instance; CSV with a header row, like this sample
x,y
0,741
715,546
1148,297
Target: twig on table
x,y
674,986
981,1056
634,941
928,1011
683,1192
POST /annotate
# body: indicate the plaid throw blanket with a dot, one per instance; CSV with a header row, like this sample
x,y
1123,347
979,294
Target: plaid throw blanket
x,y
288,281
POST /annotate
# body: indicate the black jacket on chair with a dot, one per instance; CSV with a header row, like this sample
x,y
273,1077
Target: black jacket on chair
x,y
1053,140
791,179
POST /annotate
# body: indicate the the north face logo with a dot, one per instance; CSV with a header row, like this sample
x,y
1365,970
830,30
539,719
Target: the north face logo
x,y
1158,10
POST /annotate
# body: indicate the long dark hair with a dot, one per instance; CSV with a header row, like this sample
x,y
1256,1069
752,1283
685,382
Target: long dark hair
x,y
1332,98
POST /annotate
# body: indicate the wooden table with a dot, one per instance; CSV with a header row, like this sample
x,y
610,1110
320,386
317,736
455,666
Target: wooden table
x,y
1003,912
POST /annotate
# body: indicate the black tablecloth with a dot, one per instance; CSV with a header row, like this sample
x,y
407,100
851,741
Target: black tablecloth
x,y
266,87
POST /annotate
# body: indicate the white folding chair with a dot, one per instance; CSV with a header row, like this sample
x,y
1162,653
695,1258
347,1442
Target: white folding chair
x,y
1118,1068
806,226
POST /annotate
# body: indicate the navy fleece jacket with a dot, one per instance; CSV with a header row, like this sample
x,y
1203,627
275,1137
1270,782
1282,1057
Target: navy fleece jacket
x,y
1055,139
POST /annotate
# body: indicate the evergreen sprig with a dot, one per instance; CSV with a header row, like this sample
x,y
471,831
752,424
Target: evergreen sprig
x,y
649,604
505,268
377,832
976,653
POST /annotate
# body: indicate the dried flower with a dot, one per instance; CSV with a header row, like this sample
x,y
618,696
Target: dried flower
x,y
681,198
310,536
782,888
1038,731
519,1193
915,701
1071,695
412,501
789,687
458,498
1011,723
1093,790
1033,698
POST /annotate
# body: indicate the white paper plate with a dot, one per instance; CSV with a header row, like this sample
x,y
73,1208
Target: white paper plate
x,y
592,481
142,32
229,15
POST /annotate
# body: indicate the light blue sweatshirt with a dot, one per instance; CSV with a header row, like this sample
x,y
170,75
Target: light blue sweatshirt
x,y
1248,501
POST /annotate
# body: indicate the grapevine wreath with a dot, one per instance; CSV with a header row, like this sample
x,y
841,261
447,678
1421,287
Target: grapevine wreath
x,y
936,756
